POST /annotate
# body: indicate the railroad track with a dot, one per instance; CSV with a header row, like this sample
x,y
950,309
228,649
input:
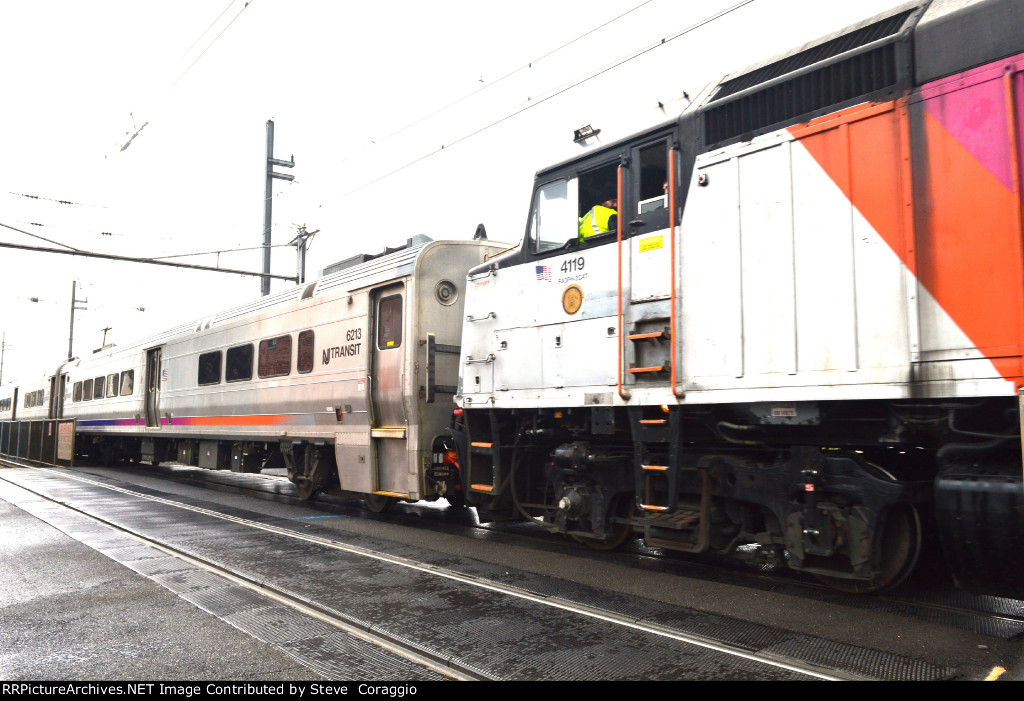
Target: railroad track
x,y
743,650
932,597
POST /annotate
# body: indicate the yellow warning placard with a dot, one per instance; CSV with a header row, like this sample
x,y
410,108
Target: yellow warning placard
x,y
651,244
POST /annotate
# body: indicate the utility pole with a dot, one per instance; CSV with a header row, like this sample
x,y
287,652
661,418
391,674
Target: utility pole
x,y
301,242
74,307
267,200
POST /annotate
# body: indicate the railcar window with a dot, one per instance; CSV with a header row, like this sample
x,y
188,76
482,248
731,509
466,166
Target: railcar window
x,y
98,388
112,385
275,357
305,360
209,368
77,394
86,390
239,364
127,382
389,322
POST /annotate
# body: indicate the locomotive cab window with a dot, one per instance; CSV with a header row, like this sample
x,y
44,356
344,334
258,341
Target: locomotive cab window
x,y
598,203
239,364
650,213
127,382
305,359
209,368
275,357
553,219
389,322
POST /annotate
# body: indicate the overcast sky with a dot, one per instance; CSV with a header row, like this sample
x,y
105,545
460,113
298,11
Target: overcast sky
x,y
365,95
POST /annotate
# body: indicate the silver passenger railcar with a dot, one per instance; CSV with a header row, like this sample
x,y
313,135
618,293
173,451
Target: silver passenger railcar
x,y
344,381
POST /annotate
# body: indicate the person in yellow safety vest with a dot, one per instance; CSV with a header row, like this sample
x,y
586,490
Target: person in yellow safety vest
x,y
599,219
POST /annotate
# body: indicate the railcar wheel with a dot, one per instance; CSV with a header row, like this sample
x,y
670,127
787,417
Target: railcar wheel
x,y
378,503
618,533
899,546
304,488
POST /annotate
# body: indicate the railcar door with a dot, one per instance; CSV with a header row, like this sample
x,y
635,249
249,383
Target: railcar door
x,y
153,388
388,427
52,409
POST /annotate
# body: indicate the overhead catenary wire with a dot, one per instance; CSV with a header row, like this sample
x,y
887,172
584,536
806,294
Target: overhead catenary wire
x,y
491,84
37,236
195,60
205,31
149,261
555,93
227,250
208,46
58,201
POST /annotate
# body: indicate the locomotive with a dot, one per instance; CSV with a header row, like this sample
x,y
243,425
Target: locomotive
x,y
801,334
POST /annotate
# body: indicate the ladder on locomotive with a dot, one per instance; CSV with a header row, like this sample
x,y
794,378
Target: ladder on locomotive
x,y
658,440
658,470
650,338
485,475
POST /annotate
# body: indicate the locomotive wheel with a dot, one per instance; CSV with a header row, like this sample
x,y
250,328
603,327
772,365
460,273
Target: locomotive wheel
x,y
378,503
619,533
898,546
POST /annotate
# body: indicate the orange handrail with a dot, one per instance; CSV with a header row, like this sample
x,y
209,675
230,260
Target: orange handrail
x,y
672,299
623,394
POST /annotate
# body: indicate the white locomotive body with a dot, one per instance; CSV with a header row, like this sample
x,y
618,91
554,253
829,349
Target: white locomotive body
x,y
801,328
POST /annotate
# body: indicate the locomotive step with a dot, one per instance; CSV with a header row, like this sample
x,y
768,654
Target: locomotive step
x,y
681,518
652,336
656,368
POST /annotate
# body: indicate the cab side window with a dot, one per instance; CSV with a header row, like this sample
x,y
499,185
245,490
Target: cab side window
x,y
598,201
651,211
553,219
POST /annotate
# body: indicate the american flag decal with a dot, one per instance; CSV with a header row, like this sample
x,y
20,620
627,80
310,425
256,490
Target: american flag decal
x,y
543,273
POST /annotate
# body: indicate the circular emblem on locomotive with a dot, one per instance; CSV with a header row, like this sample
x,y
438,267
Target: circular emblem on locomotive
x,y
572,299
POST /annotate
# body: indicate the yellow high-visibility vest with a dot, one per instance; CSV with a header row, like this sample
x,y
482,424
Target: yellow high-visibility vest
x,y
596,221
